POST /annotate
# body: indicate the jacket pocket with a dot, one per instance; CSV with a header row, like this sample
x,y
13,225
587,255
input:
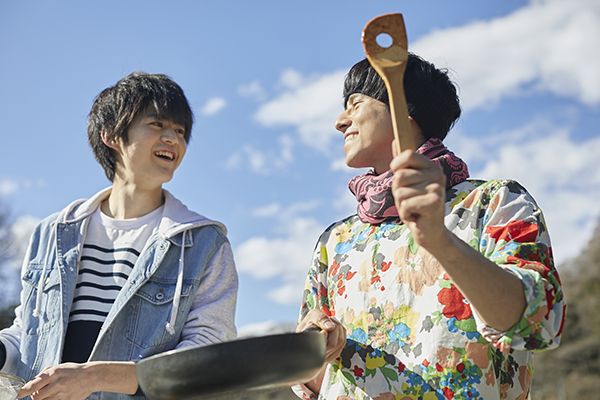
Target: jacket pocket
x,y
50,302
151,310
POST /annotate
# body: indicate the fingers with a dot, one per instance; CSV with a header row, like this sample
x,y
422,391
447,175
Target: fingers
x,y
317,318
412,183
336,341
334,331
37,386
59,381
410,159
419,190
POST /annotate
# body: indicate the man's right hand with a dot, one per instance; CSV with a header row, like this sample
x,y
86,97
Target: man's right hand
x,y
334,331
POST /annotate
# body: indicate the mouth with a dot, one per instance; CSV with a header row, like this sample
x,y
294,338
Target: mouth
x,y
165,155
349,136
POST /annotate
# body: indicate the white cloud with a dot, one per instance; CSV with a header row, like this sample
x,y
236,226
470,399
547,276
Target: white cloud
x,y
269,210
289,293
286,256
8,186
291,79
344,202
213,106
548,45
23,227
253,89
265,328
234,161
289,253
310,105
561,174
19,233
263,162
256,158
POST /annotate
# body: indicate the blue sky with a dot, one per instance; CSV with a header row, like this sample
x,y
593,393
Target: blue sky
x,y
264,79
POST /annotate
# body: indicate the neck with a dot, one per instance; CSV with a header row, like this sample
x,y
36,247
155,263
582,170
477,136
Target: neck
x,y
130,201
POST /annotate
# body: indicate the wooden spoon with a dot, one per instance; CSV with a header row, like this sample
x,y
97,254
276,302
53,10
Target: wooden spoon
x,y
390,63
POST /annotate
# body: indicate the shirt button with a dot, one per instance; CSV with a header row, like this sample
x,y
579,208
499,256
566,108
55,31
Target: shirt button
x,y
160,296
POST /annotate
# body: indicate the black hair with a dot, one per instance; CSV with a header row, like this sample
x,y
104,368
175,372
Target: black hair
x,y
431,96
116,107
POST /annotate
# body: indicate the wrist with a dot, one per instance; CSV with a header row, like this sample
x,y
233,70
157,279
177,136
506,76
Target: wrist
x,y
442,245
93,376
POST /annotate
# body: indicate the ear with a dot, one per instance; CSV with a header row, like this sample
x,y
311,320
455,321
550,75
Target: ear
x,y
418,135
111,142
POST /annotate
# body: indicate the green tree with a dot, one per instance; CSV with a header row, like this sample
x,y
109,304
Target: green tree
x,y
8,255
572,371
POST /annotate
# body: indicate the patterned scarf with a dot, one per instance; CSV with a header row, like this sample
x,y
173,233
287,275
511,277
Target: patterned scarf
x,y
374,192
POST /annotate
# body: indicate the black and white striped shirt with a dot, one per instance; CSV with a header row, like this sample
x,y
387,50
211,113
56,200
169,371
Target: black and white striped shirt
x,y
110,251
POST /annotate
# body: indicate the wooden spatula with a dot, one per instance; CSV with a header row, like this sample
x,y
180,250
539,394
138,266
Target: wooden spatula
x,y
390,64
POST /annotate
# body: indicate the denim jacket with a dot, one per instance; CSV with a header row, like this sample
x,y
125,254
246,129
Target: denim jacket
x,y
174,297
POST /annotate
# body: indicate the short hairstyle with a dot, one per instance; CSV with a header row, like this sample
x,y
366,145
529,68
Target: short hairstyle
x,y
116,107
431,96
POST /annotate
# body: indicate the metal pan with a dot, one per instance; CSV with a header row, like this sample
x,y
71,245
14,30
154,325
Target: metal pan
x,y
253,363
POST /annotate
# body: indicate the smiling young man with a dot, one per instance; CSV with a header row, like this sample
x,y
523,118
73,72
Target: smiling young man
x,y
440,287
129,273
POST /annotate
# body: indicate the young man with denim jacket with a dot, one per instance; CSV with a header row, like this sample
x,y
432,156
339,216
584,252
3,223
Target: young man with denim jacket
x,y
180,289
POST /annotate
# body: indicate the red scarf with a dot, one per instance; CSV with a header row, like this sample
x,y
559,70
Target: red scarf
x,y
374,192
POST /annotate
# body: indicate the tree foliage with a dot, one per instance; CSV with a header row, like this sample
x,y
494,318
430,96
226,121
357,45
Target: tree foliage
x,y
6,247
572,371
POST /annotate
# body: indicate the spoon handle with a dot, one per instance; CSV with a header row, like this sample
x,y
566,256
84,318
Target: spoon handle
x,y
390,64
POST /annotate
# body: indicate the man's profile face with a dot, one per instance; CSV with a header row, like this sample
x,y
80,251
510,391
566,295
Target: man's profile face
x,y
368,133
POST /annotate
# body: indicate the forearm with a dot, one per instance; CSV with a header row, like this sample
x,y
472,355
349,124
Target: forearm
x,y
495,294
112,376
211,318
78,381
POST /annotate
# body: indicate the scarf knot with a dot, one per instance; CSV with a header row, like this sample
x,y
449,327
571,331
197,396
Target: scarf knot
x,y
374,192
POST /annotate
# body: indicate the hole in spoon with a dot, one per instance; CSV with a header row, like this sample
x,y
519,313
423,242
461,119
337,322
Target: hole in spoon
x,y
384,40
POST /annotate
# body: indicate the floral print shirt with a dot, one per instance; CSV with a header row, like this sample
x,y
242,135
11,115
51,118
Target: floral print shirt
x,y
410,332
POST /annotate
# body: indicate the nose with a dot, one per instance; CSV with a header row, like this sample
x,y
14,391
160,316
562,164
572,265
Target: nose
x,y
343,122
170,136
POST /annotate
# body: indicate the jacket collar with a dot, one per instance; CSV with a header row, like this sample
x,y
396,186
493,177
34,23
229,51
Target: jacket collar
x,y
176,216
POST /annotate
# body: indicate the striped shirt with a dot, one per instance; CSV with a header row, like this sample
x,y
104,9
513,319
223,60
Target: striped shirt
x,y
110,251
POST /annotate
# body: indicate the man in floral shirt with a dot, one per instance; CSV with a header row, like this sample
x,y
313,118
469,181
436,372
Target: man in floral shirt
x,y
440,287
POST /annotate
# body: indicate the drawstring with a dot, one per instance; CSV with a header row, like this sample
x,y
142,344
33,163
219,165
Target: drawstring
x,y
170,325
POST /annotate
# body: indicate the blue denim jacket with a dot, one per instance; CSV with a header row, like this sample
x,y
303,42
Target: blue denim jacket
x,y
140,320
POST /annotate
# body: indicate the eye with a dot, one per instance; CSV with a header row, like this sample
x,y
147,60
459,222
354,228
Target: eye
x,y
180,131
351,104
157,123
356,104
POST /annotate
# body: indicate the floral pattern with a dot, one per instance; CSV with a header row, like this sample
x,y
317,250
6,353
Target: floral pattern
x,y
411,334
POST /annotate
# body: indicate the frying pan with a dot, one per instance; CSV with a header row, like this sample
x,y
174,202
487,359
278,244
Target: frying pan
x,y
245,364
